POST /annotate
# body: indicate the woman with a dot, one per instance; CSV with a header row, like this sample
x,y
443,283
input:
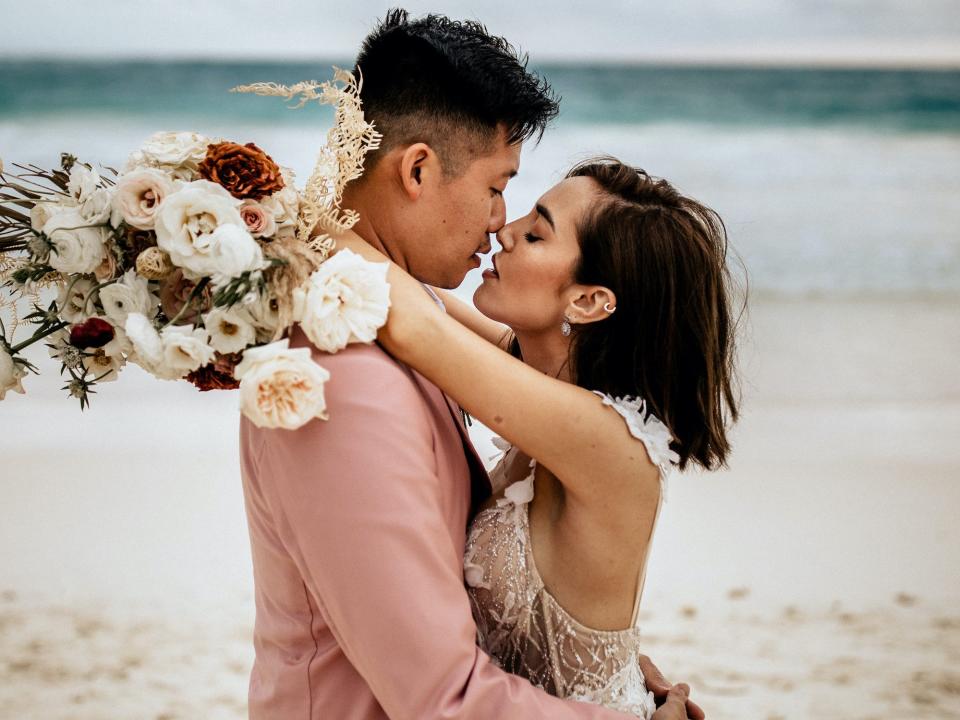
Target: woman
x,y
612,296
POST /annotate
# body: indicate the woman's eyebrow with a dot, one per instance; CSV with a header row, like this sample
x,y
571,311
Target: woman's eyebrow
x,y
541,210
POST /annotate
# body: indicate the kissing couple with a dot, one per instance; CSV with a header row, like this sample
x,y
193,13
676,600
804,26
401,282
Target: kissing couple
x,y
395,577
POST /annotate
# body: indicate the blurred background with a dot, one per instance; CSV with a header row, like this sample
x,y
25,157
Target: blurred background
x,y
817,577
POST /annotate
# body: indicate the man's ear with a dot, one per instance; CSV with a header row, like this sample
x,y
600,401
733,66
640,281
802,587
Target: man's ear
x,y
590,303
418,165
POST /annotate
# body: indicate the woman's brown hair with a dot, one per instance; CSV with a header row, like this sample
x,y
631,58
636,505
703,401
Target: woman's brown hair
x,y
671,339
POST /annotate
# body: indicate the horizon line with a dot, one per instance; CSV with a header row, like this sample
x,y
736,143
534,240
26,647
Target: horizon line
x,y
664,60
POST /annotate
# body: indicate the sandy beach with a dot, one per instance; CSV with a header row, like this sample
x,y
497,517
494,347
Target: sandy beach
x,y
816,578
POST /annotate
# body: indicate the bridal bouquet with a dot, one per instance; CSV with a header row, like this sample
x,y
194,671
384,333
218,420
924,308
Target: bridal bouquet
x,y
192,262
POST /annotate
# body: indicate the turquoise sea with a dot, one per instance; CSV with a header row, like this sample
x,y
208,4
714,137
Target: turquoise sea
x,y
831,181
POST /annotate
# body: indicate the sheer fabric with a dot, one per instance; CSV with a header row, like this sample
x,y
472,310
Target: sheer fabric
x,y
521,625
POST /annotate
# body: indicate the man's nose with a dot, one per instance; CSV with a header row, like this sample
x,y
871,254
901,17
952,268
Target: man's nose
x,y
498,215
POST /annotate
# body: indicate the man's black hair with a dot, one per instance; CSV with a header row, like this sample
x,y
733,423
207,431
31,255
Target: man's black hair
x,y
450,84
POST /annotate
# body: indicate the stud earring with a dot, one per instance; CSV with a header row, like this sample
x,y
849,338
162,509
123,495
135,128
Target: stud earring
x,y
565,327
607,308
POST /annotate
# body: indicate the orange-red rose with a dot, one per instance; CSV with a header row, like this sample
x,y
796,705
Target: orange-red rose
x,y
245,171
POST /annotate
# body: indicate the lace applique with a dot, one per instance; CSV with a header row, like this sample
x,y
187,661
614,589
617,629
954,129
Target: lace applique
x,y
646,428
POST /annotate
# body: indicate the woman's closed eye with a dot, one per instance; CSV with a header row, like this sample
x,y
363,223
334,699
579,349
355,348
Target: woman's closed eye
x,y
530,237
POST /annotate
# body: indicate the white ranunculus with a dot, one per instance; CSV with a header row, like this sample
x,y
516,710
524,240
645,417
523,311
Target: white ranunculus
x,y
11,374
281,387
101,364
345,300
78,244
231,329
131,293
200,228
266,317
185,348
77,300
146,342
179,153
139,194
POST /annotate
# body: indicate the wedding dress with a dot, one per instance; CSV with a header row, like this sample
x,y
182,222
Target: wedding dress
x,y
521,625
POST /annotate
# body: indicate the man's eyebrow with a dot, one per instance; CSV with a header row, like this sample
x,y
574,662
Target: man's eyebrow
x,y
542,211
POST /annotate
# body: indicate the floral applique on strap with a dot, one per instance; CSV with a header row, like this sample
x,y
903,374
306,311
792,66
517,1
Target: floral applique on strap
x,y
646,428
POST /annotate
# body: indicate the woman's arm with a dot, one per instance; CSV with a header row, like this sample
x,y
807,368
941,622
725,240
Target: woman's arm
x,y
467,315
565,427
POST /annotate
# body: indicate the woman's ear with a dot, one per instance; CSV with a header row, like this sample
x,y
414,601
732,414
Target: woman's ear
x,y
418,165
590,303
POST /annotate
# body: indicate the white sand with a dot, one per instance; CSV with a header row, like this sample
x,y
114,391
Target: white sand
x,y
817,578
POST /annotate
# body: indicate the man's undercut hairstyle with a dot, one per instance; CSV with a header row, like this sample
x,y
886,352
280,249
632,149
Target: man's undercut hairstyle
x,y
451,85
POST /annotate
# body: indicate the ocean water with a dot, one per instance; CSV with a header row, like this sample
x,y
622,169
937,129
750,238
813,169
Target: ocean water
x,y
831,182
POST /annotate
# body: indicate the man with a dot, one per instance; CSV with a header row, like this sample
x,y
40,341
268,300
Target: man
x,y
358,523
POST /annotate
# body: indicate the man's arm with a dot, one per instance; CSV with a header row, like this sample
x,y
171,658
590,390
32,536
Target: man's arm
x,y
358,500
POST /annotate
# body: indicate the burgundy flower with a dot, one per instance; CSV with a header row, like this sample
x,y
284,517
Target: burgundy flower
x,y
92,333
218,375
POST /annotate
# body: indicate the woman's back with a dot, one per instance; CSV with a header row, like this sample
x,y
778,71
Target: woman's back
x,y
522,625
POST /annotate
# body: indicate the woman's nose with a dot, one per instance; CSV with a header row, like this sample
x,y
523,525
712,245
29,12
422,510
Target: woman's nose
x,y
505,237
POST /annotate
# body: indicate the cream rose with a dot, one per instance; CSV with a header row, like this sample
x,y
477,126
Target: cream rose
x,y
231,329
78,246
179,153
129,294
11,374
139,194
345,300
200,228
281,387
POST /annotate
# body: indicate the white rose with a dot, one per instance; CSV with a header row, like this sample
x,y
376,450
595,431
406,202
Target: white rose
x,y
129,294
170,354
43,211
139,194
285,206
180,153
185,349
345,300
77,300
11,374
231,329
96,208
200,228
78,245
83,182
280,387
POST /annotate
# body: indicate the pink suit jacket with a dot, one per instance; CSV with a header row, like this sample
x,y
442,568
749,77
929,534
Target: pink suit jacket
x,y
357,527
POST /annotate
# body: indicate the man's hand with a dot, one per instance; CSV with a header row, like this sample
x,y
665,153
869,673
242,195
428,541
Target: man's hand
x,y
675,708
666,693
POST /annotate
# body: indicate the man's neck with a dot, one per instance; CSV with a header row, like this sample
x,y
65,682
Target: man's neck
x,y
372,226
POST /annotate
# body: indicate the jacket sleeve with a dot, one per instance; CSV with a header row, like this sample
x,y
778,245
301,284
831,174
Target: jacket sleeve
x,y
357,502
